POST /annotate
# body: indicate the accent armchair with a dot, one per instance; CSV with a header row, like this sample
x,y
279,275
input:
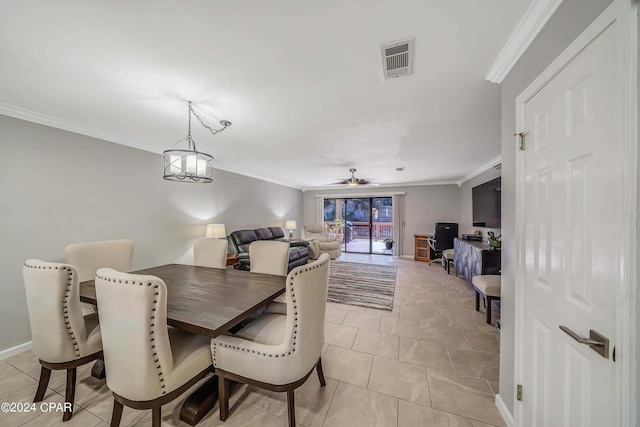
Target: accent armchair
x,y
320,241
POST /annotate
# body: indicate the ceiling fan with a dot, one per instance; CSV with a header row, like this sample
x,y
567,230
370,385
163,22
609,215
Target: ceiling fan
x,y
353,181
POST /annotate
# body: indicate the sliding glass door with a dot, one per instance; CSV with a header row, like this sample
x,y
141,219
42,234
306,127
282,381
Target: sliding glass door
x,y
362,223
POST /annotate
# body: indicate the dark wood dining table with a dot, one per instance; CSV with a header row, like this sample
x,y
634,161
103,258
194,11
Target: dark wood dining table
x,y
206,301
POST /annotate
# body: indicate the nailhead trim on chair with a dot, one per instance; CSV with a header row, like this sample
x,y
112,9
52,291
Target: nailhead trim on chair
x,y
151,326
292,349
65,302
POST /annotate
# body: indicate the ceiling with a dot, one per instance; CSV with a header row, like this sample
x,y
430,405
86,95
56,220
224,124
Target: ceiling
x,y
301,81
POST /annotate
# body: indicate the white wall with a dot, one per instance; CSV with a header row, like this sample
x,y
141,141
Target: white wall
x,y
424,205
58,187
569,20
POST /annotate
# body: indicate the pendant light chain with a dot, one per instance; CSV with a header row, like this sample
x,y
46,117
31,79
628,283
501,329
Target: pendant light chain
x,y
191,165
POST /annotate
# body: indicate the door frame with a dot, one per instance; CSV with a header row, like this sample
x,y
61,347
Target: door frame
x,y
626,13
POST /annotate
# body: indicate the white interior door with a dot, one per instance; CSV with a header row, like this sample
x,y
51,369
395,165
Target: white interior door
x,y
574,172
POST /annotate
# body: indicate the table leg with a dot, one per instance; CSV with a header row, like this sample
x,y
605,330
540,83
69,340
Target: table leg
x,y
98,369
200,402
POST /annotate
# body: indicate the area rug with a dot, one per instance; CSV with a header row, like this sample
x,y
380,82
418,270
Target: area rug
x,y
365,285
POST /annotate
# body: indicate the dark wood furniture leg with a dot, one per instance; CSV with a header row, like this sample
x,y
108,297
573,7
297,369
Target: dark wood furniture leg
x,y
477,300
70,394
45,374
156,416
98,370
116,414
291,408
200,402
320,373
223,396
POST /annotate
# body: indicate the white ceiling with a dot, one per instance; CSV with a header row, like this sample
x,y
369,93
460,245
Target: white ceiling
x,y
301,81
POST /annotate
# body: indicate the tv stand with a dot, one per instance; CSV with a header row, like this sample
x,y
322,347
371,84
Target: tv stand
x,y
475,258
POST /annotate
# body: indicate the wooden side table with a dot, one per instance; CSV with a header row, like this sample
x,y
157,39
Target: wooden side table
x,y
422,248
233,259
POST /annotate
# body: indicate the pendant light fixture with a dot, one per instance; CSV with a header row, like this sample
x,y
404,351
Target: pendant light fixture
x,y
191,165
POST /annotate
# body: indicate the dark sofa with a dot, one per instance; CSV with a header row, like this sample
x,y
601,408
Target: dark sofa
x,y
240,240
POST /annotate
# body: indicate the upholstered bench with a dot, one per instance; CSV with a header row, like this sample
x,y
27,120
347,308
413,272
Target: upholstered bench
x,y
489,287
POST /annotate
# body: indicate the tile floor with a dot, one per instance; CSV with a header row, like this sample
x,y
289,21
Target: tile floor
x,y
432,361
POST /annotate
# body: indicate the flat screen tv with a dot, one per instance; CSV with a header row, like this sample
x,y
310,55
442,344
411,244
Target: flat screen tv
x,y
486,204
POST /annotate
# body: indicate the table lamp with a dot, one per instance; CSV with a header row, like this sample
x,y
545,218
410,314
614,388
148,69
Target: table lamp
x,y
290,225
216,231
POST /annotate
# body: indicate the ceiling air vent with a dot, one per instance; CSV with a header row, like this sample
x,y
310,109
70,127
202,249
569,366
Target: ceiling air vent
x,y
397,58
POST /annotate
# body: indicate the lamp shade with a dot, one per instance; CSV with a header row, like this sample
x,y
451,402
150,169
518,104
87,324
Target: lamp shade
x,y
290,224
216,231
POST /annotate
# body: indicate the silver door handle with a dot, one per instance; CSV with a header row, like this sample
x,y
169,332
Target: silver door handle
x,y
598,342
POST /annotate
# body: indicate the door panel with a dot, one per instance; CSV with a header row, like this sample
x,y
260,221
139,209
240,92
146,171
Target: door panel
x,y
573,202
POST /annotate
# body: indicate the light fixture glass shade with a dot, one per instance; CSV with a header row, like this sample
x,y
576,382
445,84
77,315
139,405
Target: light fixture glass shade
x,y
216,231
187,165
290,224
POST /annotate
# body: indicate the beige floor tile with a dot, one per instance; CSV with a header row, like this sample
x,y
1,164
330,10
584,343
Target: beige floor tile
x,y
81,418
335,315
26,362
350,307
358,407
476,423
424,353
482,341
395,312
436,330
414,415
362,320
347,366
341,336
242,415
495,386
476,364
311,400
399,379
401,327
469,397
376,344
249,394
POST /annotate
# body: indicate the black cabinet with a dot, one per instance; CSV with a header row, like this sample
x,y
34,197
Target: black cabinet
x,y
475,258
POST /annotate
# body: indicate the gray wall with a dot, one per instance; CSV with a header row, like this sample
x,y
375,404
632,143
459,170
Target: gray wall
x,y
423,206
570,19
59,187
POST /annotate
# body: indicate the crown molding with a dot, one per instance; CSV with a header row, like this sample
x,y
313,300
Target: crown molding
x,y
483,168
54,122
528,28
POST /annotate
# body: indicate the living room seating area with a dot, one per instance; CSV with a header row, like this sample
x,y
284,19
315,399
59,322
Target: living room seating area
x,y
240,240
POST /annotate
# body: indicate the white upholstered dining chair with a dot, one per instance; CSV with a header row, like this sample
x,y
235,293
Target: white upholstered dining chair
x,y
279,350
88,257
62,337
210,252
147,364
269,257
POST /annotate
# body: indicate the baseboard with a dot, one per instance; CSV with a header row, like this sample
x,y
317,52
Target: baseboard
x,y
502,408
5,354
407,256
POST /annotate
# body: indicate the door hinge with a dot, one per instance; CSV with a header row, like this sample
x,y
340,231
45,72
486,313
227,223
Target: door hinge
x,y
520,136
519,392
